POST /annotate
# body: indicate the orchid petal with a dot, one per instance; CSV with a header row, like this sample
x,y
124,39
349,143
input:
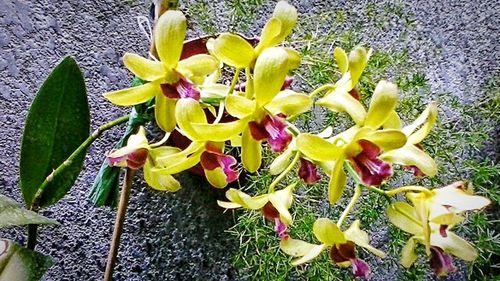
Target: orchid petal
x,y
228,205
169,34
216,177
187,112
341,59
420,201
360,238
165,112
410,155
133,95
358,59
341,101
393,121
159,181
135,142
317,148
220,131
269,34
239,106
454,196
383,102
408,255
337,183
270,72
289,103
386,140
143,68
427,120
296,247
282,200
287,14
293,58
328,232
251,152
404,216
281,162
455,245
314,252
233,50
196,68
245,200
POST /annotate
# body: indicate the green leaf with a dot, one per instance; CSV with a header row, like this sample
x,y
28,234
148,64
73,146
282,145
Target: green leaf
x,y
21,264
11,214
58,122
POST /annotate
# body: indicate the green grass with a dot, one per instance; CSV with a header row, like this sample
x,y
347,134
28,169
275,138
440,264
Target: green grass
x,y
461,142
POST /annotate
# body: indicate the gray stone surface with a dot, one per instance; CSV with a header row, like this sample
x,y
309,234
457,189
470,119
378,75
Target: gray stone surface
x,y
180,236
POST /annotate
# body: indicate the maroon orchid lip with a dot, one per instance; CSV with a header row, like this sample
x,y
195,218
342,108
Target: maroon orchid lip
x,y
372,170
181,89
272,214
440,262
347,252
272,129
308,172
213,158
135,159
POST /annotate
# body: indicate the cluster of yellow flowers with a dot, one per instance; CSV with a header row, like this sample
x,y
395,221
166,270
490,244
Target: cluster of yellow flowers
x,y
190,100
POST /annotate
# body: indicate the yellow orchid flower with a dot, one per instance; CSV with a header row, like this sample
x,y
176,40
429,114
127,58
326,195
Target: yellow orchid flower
x,y
237,52
362,144
274,206
139,154
434,213
411,154
341,244
171,78
351,67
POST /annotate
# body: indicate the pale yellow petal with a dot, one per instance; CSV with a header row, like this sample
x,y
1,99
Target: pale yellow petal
x,y
296,247
358,59
233,50
287,14
317,148
133,95
270,71
383,102
269,35
289,103
410,155
281,162
408,255
328,232
404,216
187,112
338,180
216,177
360,238
169,34
245,200
165,112
220,131
340,101
251,152
159,181
454,245
425,121
314,252
196,68
143,68
239,106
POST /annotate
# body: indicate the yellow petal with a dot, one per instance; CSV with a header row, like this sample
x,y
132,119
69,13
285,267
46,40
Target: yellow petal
x,y
216,177
442,216
289,103
328,232
169,34
314,252
360,238
293,58
340,101
393,121
239,106
251,152
228,205
454,245
134,142
317,148
341,59
295,247
269,35
133,95
196,68
383,102
143,68
426,120
420,201
270,71
159,181
337,181
233,50
454,195
282,201
181,161
165,112
187,112
281,162
404,216
358,59
220,131
410,155
287,14
245,200
386,140
408,255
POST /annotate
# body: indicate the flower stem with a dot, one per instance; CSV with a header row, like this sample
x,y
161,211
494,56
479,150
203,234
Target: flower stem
x,y
348,209
321,89
35,206
406,189
235,79
118,228
283,174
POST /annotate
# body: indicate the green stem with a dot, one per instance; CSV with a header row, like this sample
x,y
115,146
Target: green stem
x,y
249,84
348,209
32,229
235,79
283,174
321,89
352,173
407,189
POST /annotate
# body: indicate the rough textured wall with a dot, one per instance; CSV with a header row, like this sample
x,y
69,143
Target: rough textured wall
x,y
179,236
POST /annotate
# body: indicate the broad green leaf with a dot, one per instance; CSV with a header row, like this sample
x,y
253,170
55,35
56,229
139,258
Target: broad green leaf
x,y
57,123
11,214
21,264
